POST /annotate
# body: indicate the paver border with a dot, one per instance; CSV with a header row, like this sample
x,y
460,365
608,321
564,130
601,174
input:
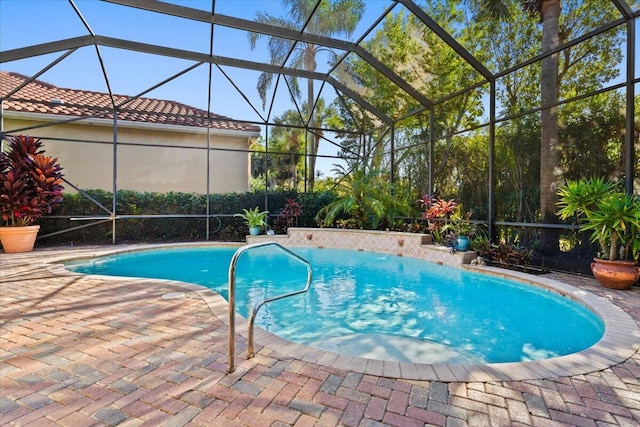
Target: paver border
x,y
620,341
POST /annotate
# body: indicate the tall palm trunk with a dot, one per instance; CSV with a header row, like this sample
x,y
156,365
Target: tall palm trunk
x,y
549,145
313,143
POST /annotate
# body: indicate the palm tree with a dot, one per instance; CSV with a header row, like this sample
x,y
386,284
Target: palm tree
x,y
338,17
549,13
288,139
365,196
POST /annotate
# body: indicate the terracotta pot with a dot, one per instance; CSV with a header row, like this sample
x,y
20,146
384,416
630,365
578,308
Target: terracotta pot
x,y
615,274
18,239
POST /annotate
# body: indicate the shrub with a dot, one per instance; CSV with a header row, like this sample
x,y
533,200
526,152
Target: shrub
x,y
223,227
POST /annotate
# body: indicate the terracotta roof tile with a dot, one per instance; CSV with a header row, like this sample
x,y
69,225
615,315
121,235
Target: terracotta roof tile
x,y
42,97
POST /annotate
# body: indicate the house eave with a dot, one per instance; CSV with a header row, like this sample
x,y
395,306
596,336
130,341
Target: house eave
x,y
128,124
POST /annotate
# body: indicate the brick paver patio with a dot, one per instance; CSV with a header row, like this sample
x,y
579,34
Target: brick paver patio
x,y
85,350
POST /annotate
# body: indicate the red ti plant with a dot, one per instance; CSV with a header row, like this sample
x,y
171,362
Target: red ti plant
x,y
30,182
289,215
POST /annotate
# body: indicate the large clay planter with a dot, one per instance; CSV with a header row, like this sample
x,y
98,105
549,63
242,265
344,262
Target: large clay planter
x,y
18,239
615,274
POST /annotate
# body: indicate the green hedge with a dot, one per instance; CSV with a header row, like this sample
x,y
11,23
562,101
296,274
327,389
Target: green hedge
x,y
228,228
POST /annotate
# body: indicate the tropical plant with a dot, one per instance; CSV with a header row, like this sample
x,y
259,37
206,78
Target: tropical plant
x,y
437,212
285,160
579,198
460,222
549,13
504,255
364,197
562,74
328,19
611,215
288,216
31,182
253,217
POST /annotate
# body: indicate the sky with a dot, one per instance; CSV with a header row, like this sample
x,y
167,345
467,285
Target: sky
x,y
130,73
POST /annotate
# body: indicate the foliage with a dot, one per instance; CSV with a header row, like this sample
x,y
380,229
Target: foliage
x,y
437,208
579,198
504,254
448,219
460,222
328,18
590,129
31,182
602,207
365,198
428,64
545,145
437,212
253,217
288,216
284,161
223,225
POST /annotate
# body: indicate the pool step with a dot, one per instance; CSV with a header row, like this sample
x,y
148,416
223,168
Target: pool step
x,y
393,348
426,239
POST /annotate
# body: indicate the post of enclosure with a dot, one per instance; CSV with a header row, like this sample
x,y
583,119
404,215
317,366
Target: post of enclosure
x,y
232,299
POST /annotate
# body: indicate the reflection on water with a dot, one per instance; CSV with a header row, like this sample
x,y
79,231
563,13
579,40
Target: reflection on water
x,y
390,347
384,306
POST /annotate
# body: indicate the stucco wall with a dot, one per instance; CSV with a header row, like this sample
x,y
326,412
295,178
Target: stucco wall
x,y
149,159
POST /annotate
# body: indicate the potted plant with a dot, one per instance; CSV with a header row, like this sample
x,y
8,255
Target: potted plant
x,y
254,219
460,225
30,187
437,212
613,217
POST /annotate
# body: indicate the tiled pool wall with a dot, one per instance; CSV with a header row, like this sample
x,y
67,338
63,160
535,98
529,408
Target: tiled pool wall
x,y
413,245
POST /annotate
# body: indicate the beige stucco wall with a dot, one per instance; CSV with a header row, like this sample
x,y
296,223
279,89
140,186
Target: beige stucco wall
x,y
149,157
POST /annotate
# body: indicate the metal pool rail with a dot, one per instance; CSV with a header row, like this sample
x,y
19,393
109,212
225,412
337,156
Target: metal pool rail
x,y
256,307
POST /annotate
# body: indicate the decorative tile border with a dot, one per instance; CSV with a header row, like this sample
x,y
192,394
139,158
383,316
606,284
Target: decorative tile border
x,y
413,245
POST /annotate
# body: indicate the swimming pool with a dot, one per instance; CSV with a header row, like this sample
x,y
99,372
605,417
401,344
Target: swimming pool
x,y
380,306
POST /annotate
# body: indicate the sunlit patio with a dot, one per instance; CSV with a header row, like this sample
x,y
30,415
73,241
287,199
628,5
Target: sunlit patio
x,y
87,350
158,110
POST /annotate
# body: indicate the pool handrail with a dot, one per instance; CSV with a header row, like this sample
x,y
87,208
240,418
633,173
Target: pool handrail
x,y
257,306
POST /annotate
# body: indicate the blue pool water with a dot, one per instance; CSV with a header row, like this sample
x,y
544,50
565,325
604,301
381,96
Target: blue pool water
x,y
378,305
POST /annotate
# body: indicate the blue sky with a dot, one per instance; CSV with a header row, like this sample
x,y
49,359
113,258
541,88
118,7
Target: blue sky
x,y
131,73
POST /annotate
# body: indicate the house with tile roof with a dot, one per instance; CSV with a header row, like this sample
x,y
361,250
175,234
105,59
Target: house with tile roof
x,y
142,144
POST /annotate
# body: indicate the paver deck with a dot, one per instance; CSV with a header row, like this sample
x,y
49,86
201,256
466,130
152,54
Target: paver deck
x,y
87,350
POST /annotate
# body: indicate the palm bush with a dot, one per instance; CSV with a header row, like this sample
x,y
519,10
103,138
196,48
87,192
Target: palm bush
x,y
364,198
603,208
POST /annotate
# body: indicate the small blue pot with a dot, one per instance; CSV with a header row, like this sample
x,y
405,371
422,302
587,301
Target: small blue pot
x,y
462,243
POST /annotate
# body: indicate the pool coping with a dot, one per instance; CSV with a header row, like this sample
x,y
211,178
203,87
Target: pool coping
x,y
620,341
